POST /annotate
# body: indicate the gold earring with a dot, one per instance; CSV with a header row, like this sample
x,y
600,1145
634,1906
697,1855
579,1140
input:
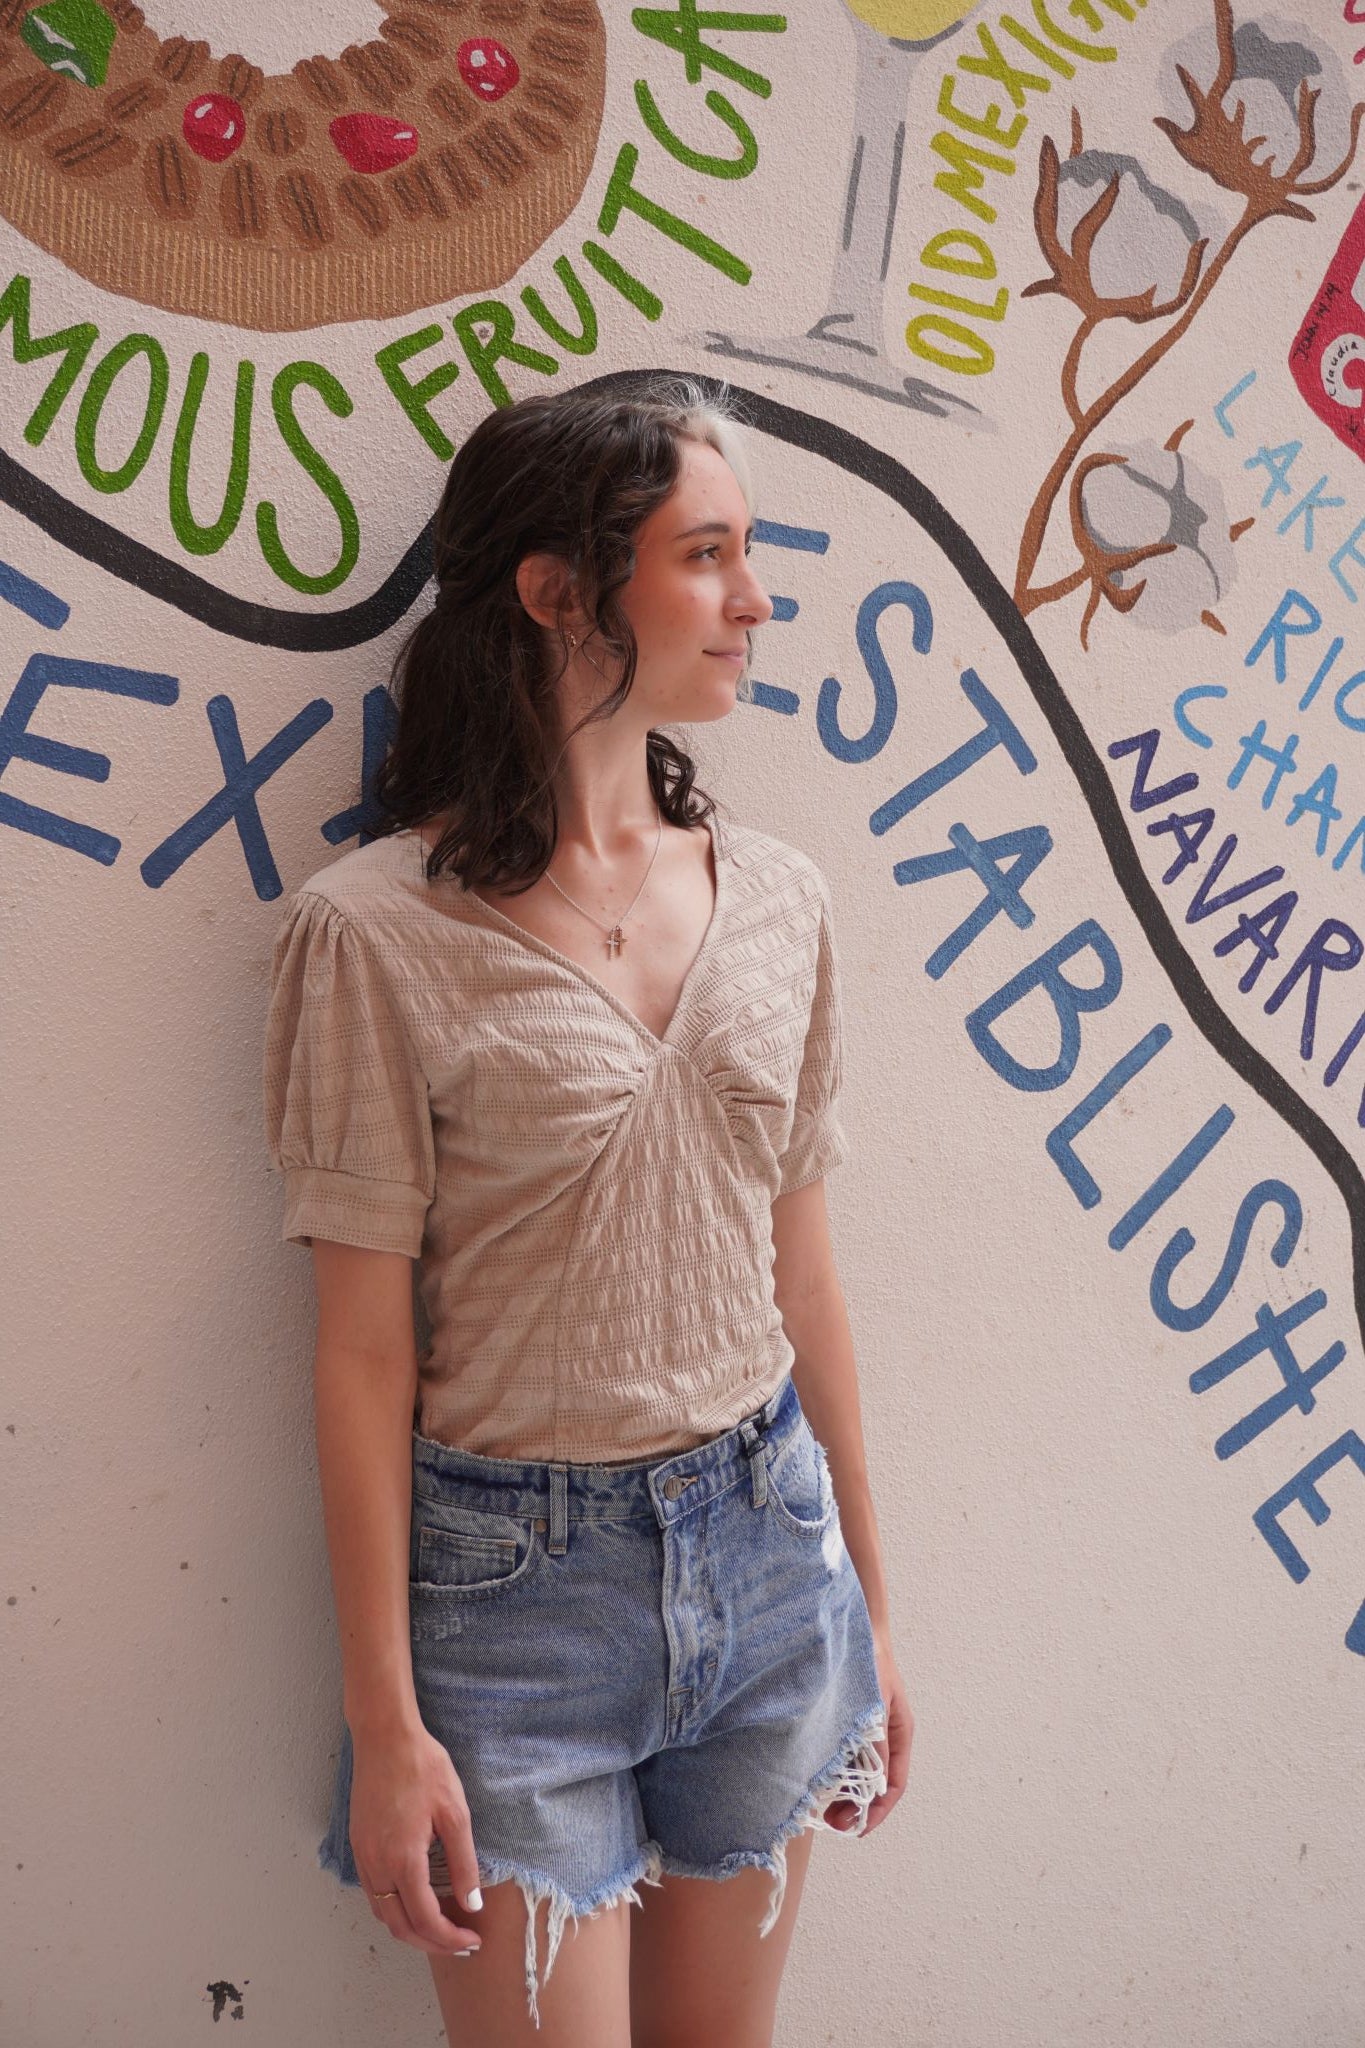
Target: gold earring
x,y
573,643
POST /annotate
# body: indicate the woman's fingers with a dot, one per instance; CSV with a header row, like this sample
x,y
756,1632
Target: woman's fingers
x,y
428,1926
413,1913
404,1794
454,1864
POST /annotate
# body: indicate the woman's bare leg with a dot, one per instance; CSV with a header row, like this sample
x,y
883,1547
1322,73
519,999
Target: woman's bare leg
x,y
585,2004
699,1970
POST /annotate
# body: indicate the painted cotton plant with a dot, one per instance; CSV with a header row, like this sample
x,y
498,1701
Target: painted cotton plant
x,y
1270,107
1117,244
1265,114
1152,532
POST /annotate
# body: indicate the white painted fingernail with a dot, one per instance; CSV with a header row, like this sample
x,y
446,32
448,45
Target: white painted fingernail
x,y
475,1900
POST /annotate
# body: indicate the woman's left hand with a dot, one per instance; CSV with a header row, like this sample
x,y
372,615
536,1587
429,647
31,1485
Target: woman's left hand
x,y
893,1749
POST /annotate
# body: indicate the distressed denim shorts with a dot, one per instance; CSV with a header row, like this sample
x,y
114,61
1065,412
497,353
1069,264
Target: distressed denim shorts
x,y
638,1670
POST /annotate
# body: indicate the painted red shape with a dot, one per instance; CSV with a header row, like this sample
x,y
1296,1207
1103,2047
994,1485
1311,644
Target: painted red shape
x,y
486,67
213,125
373,142
1327,360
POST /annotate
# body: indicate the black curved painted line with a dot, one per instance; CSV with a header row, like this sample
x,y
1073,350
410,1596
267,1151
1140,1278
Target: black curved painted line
x,y
873,466
315,632
265,625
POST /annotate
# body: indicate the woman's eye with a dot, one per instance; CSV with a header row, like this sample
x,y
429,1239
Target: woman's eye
x,y
713,550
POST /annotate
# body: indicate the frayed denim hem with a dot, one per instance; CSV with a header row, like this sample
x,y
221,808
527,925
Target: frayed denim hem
x,y
535,1885
855,1773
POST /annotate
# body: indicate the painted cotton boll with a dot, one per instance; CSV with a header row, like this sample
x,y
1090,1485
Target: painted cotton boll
x,y
1273,59
1144,244
1157,498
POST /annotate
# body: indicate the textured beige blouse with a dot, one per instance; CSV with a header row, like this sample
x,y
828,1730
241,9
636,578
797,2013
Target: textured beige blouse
x,y
591,1205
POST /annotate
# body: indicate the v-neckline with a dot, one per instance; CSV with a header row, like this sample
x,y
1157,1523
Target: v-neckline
x,y
543,946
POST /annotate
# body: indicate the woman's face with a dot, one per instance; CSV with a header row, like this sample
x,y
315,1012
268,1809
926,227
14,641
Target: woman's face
x,y
693,598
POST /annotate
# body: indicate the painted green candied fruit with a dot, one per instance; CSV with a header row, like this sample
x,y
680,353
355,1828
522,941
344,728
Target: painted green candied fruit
x,y
73,37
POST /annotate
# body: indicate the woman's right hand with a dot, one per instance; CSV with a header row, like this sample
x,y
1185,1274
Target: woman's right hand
x,y
404,1790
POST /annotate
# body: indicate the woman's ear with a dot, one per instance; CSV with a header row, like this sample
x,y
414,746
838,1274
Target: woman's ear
x,y
545,588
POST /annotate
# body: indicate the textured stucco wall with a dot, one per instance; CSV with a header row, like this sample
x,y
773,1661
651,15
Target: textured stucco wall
x,y
1113,527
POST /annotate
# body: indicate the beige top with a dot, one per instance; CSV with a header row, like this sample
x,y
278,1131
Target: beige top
x,y
591,1205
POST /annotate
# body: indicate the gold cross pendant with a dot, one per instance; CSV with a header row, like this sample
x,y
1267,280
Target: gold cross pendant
x,y
615,941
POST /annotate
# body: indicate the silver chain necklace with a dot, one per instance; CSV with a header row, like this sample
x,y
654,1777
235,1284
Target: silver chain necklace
x,y
615,936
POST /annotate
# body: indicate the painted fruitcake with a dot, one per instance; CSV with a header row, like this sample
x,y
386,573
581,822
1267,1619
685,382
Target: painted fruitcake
x,y
426,164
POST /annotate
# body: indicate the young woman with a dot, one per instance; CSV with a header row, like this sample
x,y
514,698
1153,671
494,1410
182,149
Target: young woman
x,y
558,1037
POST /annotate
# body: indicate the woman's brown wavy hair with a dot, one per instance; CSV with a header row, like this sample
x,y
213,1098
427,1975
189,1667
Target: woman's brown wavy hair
x,y
572,474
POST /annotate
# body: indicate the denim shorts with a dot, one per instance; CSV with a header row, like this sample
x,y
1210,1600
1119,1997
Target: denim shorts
x,y
638,1670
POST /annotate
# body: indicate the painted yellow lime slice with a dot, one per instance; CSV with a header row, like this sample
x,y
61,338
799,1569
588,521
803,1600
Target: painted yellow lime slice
x,y
916,20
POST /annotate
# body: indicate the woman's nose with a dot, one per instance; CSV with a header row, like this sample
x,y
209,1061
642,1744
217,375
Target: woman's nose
x,y
752,602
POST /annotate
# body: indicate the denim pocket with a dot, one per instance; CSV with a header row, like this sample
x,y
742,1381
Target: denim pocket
x,y
800,1491
458,1555
455,1557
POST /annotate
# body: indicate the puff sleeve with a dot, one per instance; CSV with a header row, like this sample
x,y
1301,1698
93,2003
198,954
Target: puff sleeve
x,y
818,1141
347,1118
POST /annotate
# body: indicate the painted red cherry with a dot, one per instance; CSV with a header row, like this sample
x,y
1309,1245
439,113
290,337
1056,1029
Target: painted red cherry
x,y
486,68
214,126
373,142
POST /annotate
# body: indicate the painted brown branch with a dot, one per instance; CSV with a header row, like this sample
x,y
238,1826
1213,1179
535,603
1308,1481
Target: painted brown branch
x,y
1070,274
1216,141
1122,598
1045,221
1326,184
1104,565
1216,144
1092,605
1149,310
1227,48
1050,593
1035,526
1307,149
1088,227
1071,368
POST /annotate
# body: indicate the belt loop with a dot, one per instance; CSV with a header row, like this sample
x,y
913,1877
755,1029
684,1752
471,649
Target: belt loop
x,y
758,1468
559,1510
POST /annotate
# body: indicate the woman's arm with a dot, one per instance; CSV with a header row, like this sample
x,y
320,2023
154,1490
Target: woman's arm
x,y
811,1303
365,1381
404,1787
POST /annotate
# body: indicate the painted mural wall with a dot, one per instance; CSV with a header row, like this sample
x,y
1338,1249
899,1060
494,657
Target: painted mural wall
x,y
1049,317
